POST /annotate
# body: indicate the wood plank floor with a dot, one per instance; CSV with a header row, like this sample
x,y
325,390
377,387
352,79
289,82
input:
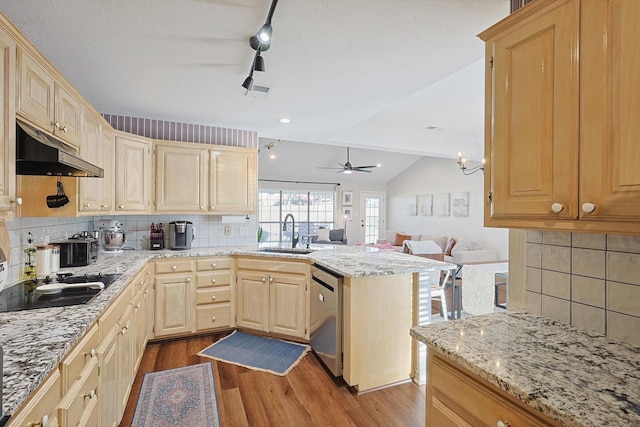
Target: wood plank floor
x,y
307,396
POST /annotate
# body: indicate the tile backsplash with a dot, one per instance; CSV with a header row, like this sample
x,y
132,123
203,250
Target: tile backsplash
x,y
590,281
209,231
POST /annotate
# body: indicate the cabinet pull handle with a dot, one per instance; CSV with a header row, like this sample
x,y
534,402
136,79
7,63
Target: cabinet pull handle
x,y
557,207
137,307
42,423
213,207
213,280
174,267
90,395
264,280
213,297
201,208
57,125
91,353
17,201
103,206
270,279
501,423
213,319
588,207
145,293
188,279
214,265
121,206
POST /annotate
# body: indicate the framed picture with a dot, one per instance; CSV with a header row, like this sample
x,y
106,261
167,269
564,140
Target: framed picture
x,y
347,198
460,202
425,204
441,204
347,213
412,205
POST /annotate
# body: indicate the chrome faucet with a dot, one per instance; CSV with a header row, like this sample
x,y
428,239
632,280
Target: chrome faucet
x,y
294,239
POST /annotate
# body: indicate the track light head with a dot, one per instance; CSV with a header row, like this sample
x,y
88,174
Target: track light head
x,y
258,65
265,33
248,83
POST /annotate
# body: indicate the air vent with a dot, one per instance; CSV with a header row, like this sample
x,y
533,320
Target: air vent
x,y
260,91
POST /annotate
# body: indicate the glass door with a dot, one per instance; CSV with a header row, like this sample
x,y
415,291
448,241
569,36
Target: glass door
x,y
372,205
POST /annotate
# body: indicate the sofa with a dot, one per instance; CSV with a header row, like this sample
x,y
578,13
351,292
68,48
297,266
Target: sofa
x,y
443,248
330,237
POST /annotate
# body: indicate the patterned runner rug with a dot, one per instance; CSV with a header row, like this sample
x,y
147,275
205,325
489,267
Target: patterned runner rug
x,y
178,397
255,352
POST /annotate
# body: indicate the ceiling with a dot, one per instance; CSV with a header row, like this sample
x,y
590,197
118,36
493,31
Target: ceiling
x,y
402,76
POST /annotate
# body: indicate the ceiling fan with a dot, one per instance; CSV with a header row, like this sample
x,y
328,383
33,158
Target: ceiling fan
x,y
348,168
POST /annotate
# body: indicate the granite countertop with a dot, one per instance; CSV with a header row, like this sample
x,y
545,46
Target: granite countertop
x,y
577,377
35,341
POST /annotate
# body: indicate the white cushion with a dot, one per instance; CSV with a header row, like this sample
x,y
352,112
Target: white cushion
x,y
422,247
464,245
323,234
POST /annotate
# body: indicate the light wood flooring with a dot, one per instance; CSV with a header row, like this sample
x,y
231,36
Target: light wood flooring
x,y
307,396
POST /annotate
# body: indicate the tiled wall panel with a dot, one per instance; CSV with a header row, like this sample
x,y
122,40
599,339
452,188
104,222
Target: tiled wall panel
x,y
591,281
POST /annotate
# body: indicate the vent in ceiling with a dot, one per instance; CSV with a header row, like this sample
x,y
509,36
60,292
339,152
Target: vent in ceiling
x,y
260,91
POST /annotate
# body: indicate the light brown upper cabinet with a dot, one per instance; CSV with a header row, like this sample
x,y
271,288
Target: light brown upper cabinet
x,y
46,102
561,141
7,126
133,173
96,194
201,178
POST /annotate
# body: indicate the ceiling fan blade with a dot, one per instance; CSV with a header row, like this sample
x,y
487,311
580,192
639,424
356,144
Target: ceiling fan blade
x,y
360,170
365,167
323,167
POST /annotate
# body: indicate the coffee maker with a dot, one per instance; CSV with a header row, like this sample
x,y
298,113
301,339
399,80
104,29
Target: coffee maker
x,y
180,235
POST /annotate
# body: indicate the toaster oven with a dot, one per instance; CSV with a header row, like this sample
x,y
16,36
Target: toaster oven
x,y
78,252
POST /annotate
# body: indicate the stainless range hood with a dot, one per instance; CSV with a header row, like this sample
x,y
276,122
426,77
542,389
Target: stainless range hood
x,y
40,154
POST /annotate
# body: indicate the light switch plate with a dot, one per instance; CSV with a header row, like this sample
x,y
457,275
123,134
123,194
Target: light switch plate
x,y
227,230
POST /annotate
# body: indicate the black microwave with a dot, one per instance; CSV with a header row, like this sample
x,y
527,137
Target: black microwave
x,y
77,252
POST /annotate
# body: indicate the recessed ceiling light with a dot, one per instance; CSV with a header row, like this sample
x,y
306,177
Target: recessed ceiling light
x,y
284,120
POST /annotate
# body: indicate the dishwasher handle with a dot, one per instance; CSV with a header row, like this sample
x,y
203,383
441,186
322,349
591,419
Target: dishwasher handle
x,y
323,284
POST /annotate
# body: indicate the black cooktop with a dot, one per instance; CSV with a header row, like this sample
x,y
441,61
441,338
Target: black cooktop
x,y
22,297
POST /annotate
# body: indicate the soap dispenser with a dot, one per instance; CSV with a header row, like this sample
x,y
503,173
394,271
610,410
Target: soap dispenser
x,y
29,271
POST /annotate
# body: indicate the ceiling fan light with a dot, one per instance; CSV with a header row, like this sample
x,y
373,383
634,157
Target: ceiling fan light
x,y
347,171
248,83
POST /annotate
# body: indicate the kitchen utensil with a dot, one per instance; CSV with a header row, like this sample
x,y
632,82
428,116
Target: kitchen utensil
x,y
54,288
180,235
59,199
43,260
156,237
113,241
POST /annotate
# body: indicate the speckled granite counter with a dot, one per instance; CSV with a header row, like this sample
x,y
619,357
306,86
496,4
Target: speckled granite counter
x,y
577,377
35,341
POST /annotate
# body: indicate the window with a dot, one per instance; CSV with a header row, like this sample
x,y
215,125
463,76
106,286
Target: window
x,y
310,209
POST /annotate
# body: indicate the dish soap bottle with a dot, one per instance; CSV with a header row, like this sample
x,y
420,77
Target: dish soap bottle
x,y
29,272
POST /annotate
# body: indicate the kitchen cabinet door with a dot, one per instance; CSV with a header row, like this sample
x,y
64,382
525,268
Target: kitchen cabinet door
x,y
532,116
287,304
90,189
180,178
107,152
610,107
68,117
232,180
7,126
42,407
174,304
108,380
133,173
36,91
253,300
126,358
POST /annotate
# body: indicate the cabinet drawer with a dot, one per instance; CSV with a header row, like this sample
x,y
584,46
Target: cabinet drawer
x,y
216,263
477,403
174,265
115,310
213,316
272,266
80,356
213,295
213,278
42,404
78,402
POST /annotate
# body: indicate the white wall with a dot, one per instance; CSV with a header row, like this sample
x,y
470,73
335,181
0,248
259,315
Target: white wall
x,y
433,175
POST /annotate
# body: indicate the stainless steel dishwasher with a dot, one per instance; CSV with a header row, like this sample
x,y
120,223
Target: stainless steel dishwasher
x,y
326,317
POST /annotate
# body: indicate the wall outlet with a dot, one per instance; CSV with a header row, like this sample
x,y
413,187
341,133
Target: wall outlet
x,y
227,230
244,231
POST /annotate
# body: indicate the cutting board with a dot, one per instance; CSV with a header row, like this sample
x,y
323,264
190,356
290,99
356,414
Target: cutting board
x,y
5,243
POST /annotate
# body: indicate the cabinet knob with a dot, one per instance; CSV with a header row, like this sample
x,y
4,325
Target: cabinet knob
x,y
201,208
87,205
17,201
213,297
213,319
264,280
212,207
145,293
501,423
91,394
173,267
188,279
270,279
588,207
213,280
91,353
64,129
137,307
121,206
557,207
214,265
42,423
57,125
103,206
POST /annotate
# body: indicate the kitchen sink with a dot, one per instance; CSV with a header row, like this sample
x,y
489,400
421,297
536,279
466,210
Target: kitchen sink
x,y
300,251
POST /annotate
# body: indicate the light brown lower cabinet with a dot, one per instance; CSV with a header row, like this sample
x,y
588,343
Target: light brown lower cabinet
x,y
459,398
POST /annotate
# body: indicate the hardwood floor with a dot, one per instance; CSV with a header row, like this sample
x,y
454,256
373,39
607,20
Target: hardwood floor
x,y
307,396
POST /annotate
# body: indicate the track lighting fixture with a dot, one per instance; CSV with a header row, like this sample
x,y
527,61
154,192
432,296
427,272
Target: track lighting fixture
x,y
260,42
